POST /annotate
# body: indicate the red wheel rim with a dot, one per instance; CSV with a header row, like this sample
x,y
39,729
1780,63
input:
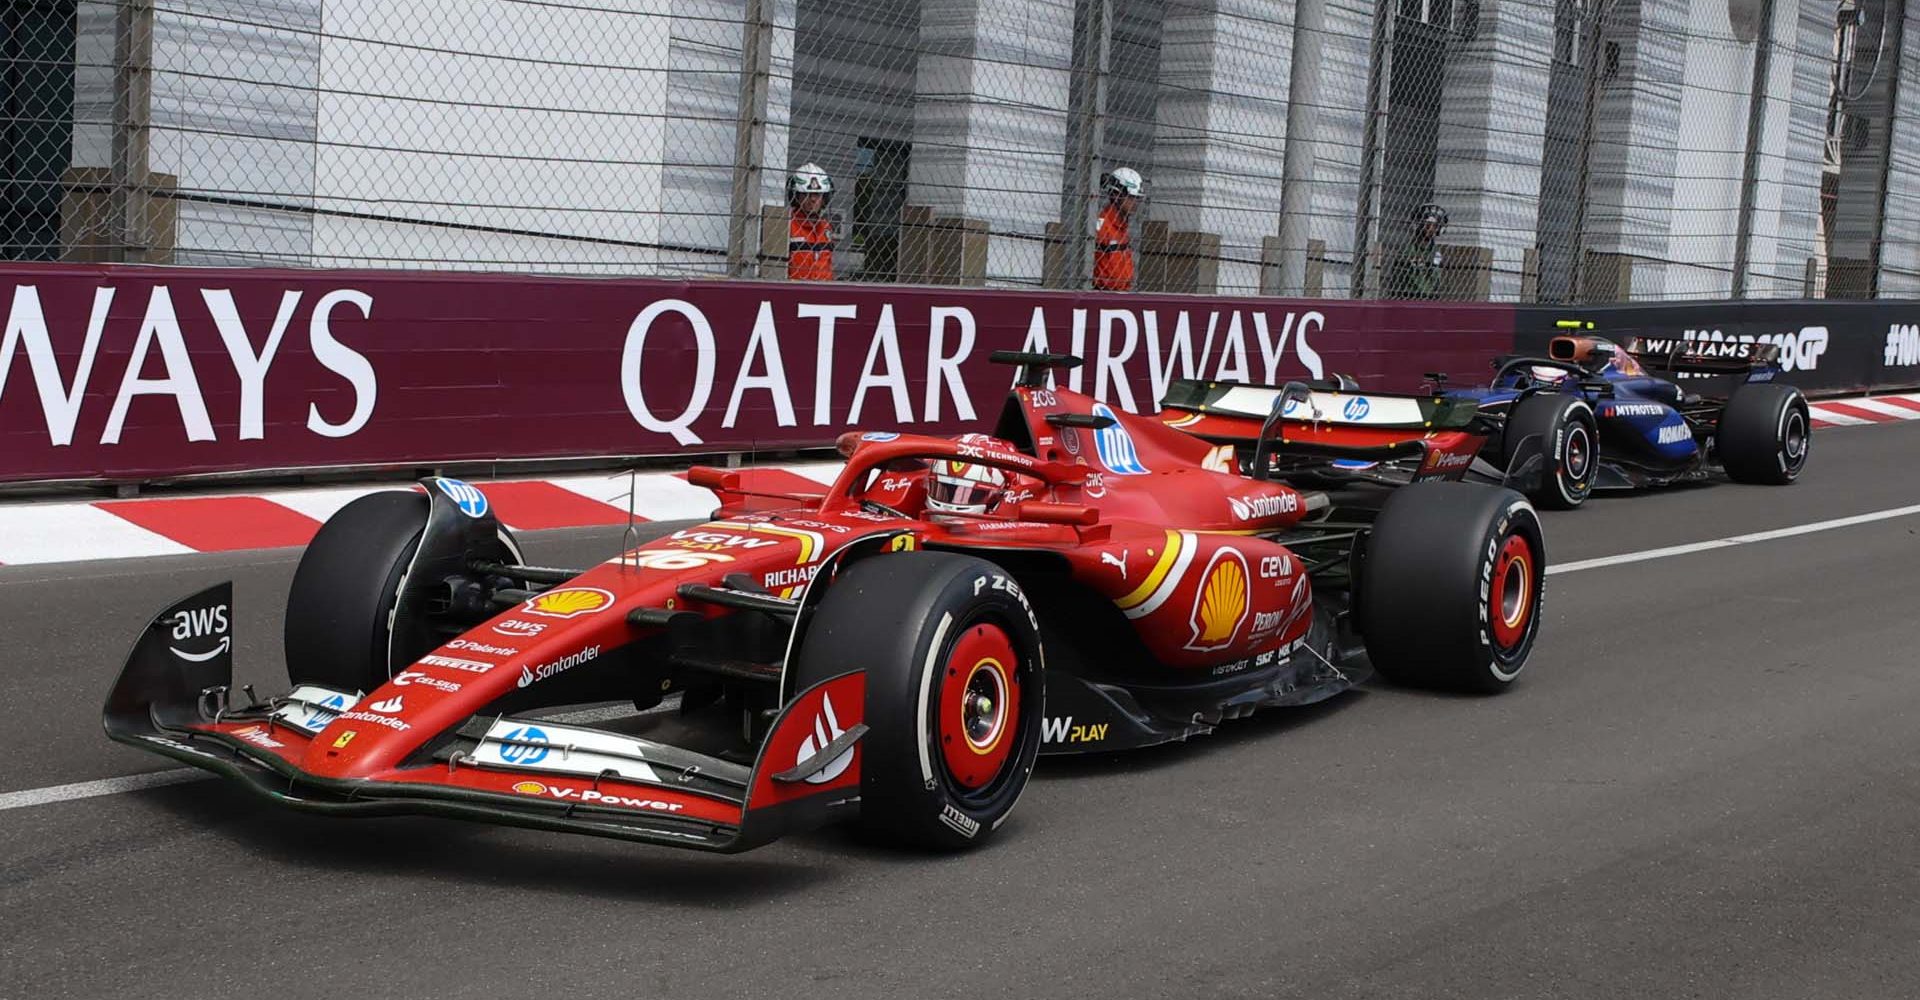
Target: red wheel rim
x,y
1511,603
979,709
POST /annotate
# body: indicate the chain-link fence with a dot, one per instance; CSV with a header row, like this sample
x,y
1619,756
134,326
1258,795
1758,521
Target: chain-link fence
x,y
1515,150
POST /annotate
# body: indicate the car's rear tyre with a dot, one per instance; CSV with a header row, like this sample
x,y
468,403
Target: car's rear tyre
x,y
1569,440
954,667
1765,434
1451,590
340,607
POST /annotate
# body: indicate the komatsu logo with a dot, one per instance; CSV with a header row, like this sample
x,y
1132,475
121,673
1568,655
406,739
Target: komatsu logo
x,y
1674,434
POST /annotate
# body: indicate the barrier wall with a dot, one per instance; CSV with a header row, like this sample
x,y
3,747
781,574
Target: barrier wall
x,y
134,373
130,373
1826,347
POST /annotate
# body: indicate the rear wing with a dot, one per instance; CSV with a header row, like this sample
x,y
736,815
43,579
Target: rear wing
x,y
1378,410
1719,357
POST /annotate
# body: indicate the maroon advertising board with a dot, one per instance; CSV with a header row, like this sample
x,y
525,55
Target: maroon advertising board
x,y
138,373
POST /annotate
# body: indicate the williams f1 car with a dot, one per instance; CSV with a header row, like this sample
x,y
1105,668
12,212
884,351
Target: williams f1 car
x,y
1591,415
895,649
1598,415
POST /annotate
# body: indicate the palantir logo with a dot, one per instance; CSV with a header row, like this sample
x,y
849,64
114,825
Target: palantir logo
x,y
468,497
201,623
1115,445
525,745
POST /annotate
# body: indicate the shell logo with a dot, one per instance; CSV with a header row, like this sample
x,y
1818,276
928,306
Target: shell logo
x,y
1220,605
529,788
569,602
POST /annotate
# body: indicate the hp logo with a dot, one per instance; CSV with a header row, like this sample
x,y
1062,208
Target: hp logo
x,y
471,501
516,751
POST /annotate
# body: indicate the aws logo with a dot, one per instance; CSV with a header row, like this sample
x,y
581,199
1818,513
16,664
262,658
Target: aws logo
x,y
201,623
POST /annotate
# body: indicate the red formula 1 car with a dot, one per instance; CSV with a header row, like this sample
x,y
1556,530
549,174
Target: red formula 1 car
x,y
898,648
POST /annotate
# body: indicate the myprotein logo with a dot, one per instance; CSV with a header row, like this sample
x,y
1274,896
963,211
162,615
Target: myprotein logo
x,y
1799,351
174,339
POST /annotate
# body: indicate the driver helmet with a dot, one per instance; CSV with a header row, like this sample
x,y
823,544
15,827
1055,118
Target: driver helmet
x,y
957,486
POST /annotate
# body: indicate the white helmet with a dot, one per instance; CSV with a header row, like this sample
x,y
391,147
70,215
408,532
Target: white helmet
x,y
1124,180
809,179
955,486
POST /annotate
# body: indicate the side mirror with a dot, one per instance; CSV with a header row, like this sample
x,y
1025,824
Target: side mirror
x,y
1073,514
708,477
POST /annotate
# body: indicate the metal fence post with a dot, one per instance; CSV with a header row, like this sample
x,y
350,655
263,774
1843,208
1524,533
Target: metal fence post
x,y
1298,163
749,138
1378,71
1895,14
132,118
1089,100
1583,186
1749,169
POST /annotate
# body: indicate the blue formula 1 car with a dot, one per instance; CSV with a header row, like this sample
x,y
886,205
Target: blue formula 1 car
x,y
1598,415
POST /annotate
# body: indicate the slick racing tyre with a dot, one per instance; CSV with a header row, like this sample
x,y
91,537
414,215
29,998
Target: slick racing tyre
x,y
1764,435
1451,586
341,604
1569,441
954,691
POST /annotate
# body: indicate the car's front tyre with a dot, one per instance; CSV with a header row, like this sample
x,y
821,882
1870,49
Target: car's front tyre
x,y
952,654
1570,441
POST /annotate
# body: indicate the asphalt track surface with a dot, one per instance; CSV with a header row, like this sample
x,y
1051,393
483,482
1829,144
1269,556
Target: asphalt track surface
x,y
1706,785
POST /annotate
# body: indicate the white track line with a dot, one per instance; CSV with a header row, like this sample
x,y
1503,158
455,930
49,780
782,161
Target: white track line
x,y
94,789
135,782
1732,540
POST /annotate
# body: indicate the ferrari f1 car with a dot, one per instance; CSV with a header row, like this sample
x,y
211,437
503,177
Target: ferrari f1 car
x,y
895,649
1591,415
